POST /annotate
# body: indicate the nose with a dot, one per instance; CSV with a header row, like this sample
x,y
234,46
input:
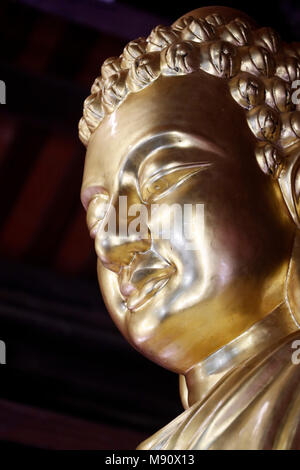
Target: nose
x,y
122,235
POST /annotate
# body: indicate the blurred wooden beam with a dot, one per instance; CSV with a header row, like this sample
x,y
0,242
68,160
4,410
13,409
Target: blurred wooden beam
x,y
113,18
44,429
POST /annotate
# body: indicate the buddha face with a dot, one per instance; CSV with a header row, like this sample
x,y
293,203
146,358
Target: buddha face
x,y
184,141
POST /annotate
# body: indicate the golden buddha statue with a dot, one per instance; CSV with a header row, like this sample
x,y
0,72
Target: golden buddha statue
x,y
204,112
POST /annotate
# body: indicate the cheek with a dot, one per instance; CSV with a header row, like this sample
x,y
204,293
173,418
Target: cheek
x,y
232,236
231,222
226,236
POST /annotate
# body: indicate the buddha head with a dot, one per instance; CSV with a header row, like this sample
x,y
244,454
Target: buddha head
x,y
203,114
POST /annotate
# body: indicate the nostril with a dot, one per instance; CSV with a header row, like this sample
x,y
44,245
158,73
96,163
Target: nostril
x,y
127,289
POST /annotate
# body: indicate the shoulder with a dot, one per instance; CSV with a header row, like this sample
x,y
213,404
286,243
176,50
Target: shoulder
x,y
257,406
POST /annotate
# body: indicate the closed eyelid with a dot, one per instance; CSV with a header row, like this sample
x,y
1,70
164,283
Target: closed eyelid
x,y
190,166
184,170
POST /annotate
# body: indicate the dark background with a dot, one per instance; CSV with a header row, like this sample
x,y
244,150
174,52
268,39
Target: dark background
x,y
71,381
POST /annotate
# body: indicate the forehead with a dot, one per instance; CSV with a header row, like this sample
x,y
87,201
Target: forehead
x,y
197,104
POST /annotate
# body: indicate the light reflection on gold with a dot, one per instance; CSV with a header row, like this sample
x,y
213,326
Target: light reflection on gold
x,y
210,93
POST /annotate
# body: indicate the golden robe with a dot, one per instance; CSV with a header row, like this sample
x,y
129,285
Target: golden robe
x,y
256,406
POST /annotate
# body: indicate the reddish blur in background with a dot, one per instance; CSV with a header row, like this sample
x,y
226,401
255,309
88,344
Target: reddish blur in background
x,y
70,380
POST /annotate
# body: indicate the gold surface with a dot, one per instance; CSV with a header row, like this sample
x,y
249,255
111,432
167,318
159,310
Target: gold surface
x,y
201,112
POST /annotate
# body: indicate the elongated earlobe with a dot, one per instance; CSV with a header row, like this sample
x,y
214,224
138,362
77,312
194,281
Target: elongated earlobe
x,y
289,182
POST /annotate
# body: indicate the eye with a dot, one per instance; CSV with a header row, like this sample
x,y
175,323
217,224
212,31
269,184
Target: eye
x,y
155,188
161,184
96,212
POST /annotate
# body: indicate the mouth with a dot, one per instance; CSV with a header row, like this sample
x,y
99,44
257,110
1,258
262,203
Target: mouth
x,y
140,297
140,282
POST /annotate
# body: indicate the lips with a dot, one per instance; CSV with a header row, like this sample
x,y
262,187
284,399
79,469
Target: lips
x,y
139,298
143,278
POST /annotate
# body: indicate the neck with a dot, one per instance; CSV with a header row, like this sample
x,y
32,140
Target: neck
x,y
262,336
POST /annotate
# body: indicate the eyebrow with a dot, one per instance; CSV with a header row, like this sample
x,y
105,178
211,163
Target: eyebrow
x,y
169,139
173,140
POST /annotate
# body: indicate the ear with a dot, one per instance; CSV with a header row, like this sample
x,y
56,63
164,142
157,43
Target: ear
x,y
289,182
